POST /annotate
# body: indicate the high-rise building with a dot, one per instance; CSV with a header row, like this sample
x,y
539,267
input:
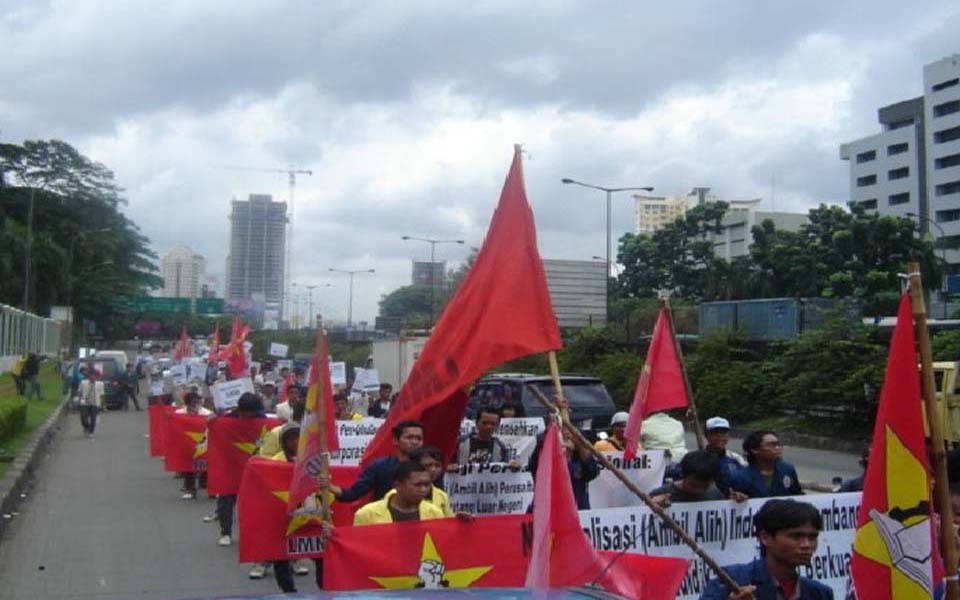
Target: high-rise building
x,y
182,270
256,258
653,212
912,167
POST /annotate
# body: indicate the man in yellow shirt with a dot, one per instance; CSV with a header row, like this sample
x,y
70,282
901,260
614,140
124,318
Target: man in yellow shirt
x,y
615,440
344,412
411,483
432,460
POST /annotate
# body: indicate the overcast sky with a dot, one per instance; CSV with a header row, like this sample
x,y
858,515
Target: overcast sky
x,y
406,112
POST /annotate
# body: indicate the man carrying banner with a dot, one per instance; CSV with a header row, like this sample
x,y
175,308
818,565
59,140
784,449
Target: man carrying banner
x,y
248,407
380,475
482,446
766,474
582,465
411,484
697,483
787,531
192,406
717,432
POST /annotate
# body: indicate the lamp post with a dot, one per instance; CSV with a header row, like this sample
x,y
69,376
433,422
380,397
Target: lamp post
x,y
943,255
351,274
609,192
433,279
310,315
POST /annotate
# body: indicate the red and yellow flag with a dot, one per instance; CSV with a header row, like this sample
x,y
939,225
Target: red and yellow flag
x,y
895,552
501,311
185,443
267,531
183,349
231,442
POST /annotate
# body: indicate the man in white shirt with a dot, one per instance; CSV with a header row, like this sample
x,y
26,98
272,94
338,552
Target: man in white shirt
x,y
91,399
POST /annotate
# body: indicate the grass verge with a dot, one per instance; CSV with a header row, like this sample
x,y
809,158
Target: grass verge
x,y
37,411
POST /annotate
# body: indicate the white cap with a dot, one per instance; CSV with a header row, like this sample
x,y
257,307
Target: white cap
x,y
717,423
618,418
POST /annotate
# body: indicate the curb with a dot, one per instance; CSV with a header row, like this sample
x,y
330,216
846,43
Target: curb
x,y
24,465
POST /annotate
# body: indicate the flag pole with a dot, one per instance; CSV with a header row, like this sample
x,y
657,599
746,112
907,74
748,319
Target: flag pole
x,y
321,416
558,388
937,455
697,425
657,510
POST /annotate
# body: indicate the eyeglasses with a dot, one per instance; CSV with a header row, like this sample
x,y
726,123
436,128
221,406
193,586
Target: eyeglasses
x,y
774,444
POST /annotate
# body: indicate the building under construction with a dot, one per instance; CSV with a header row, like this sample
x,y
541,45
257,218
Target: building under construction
x,y
255,265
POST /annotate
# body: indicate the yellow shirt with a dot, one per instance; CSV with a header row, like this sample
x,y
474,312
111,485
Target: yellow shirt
x,y
439,499
378,512
607,446
271,442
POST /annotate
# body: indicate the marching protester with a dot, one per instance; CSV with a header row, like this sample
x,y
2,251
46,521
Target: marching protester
x,y
271,442
344,412
129,382
431,459
660,431
379,408
787,531
248,407
284,410
581,463
482,446
268,395
510,410
766,473
31,373
699,473
856,484
411,484
16,371
91,400
192,405
717,432
615,440
379,476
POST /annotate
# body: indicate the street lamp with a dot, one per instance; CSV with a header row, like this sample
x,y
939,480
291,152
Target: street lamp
x,y
433,279
310,314
609,191
351,274
943,254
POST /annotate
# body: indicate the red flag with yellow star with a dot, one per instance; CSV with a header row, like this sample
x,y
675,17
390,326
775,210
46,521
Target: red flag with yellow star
x,y
158,424
185,443
231,443
895,551
267,530
439,553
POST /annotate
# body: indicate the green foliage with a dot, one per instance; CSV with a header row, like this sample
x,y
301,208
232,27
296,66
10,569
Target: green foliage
x,y
946,345
13,417
728,376
411,304
85,252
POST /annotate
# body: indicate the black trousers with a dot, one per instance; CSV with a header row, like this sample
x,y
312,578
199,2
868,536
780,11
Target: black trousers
x,y
225,506
190,481
88,418
283,573
130,394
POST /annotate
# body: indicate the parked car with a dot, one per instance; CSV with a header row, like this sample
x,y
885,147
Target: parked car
x,y
110,372
591,406
119,355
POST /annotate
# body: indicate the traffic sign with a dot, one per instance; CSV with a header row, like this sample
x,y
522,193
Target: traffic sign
x,y
209,306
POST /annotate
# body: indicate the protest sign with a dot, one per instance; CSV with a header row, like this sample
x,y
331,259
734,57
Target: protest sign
x,y
725,528
518,434
278,350
489,489
365,379
178,373
645,470
284,364
354,437
227,394
338,373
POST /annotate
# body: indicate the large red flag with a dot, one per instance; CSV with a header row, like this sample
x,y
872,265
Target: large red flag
x,y
185,443
319,421
895,552
661,384
500,312
562,553
231,441
267,530
158,424
182,349
438,553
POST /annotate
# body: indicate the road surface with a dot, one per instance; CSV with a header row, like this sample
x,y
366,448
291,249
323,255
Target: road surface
x,y
105,521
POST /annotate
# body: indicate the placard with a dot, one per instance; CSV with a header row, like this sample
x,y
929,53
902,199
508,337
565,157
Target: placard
x,y
354,437
725,530
279,350
226,395
338,373
645,470
519,434
178,373
284,364
156,388
365,379
489,489
255,367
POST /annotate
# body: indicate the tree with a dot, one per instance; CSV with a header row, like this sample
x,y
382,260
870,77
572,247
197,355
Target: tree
x,y
410,303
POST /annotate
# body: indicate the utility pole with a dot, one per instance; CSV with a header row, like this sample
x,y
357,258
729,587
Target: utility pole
x,y
350,303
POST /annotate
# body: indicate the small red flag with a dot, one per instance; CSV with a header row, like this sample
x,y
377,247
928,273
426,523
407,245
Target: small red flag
x,y
185,443
231,441
285,386
318,434
182,349
661,385
896,555
158,413
235,354
267,531
213,354
500,312
438,553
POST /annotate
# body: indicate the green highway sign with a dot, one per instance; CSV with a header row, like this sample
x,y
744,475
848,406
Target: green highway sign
x,y
150,304
209,306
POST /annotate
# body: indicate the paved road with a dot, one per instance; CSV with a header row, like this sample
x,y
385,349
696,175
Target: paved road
x,y
105,521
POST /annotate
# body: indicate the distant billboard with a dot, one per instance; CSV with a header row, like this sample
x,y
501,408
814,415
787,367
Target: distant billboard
x,y
578,291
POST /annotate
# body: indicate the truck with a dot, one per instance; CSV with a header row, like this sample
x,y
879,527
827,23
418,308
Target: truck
x,y
393,358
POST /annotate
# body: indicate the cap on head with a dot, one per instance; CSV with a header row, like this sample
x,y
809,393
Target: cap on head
x,y
619,418
717,423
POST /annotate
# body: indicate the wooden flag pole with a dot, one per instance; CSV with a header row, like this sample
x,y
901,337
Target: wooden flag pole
x,y
558,388
657,510
937,454
321,416
697,425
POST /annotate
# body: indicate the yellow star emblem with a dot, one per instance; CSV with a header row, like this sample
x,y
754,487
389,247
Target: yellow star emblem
x,y
433,572
297,520
251,448
199,442
904,528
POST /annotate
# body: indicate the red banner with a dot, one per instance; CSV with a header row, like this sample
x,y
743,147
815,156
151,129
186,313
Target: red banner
x,y
232,441
185,443
487,552
267,532
158,425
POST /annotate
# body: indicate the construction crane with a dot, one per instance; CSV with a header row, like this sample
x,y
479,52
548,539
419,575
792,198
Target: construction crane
x,y
292,180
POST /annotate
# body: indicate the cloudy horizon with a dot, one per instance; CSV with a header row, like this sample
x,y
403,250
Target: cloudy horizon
x,y
407,112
